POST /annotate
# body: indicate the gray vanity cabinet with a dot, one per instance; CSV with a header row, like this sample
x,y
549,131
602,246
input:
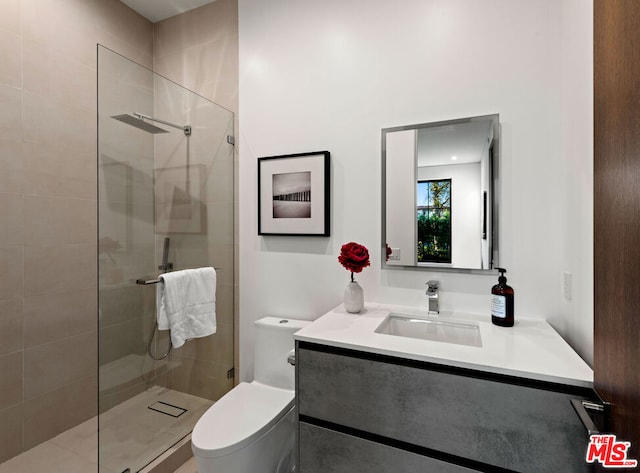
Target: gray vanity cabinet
x,y
331,451
363,412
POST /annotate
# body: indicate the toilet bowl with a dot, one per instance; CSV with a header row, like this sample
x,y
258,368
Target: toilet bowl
x,y
251,429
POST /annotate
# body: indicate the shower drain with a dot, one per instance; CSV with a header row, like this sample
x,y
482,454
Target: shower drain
x,y
166,408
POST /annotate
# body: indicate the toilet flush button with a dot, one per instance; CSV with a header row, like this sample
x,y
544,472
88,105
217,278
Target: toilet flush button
x,y
284,321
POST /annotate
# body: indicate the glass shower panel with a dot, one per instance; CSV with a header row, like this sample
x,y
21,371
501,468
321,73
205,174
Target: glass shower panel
x,y
165,173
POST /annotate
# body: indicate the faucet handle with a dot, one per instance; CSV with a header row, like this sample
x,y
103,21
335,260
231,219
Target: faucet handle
x,y
433,284
433,296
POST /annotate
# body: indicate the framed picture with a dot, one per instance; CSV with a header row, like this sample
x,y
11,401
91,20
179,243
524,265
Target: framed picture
x,y
293,194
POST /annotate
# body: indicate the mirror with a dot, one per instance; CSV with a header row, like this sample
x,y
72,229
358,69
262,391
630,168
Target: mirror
x,y
440,194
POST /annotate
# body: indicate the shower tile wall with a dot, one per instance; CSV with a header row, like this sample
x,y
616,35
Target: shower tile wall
x,y
48,291
199,50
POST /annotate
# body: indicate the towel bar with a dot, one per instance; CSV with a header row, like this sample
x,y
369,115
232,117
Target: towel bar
x,y
147,282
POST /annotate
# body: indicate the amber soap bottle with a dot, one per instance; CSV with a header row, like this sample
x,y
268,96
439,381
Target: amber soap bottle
x,y
502,302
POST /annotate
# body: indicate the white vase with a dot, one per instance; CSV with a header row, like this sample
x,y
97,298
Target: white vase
x,y
353,297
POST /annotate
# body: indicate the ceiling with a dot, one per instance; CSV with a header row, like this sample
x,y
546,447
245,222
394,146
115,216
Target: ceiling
x,y
465,141
157,10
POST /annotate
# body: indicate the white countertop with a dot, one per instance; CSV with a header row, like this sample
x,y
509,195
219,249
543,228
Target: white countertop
x,y
530,349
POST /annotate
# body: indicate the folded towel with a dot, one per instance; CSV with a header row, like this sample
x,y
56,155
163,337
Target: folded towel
x,y
186,304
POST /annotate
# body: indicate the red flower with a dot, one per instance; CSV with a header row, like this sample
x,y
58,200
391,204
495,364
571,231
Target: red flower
x,y
354,257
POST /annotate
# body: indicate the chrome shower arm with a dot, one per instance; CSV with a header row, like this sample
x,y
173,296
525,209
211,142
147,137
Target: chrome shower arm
x,y
186,128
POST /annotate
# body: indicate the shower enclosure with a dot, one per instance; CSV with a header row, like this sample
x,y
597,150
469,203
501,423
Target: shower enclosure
x,y
165,202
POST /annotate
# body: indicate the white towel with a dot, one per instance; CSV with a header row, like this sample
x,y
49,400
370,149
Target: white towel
x,y
186,304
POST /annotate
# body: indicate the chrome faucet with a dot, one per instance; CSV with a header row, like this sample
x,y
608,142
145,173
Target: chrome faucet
x,y
432,295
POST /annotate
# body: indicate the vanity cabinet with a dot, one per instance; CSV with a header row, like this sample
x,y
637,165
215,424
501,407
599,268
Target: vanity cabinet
x,y
326,450
359,411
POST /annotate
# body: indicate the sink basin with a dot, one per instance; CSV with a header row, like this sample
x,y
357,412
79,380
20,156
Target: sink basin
x,y
403,325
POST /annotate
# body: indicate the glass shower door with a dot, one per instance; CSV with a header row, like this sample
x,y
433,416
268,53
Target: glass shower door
x,y
165,193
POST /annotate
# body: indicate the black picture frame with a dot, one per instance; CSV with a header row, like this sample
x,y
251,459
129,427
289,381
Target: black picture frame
x,y
294,194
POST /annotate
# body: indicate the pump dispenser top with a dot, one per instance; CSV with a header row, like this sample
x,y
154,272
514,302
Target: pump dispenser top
x,y
502,302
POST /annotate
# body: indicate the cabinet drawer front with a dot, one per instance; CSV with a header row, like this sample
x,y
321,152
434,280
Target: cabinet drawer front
x,y
328,451
515,427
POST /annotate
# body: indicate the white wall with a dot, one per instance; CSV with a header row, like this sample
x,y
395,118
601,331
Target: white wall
x,y
330,74
574,319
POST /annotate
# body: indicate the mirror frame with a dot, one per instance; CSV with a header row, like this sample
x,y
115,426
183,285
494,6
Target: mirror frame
x,y
494,208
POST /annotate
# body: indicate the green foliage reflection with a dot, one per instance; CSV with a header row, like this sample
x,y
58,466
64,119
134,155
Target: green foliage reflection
x,y
434,221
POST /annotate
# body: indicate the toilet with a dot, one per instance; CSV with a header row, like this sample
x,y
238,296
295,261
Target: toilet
x,y
251,429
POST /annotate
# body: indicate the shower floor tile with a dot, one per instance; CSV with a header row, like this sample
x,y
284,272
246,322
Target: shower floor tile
x,y
49,457
130,437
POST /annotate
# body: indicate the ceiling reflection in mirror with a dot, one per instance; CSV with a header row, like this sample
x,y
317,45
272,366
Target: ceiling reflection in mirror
x,y
440,194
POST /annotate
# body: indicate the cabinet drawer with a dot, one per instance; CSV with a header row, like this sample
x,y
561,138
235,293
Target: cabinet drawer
x,y
327,451
520,428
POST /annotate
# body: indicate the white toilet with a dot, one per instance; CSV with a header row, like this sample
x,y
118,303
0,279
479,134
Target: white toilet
x,y
251,429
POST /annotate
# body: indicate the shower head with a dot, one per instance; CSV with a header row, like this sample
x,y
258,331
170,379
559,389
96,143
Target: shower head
x,y
138,122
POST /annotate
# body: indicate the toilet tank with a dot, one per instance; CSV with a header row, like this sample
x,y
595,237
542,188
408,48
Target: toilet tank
x,y
273,343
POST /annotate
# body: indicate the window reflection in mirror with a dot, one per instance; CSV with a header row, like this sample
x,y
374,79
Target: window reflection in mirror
x,y
440,202
434,221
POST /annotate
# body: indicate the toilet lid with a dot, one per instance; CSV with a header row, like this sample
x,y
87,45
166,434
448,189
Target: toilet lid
x,y
240,417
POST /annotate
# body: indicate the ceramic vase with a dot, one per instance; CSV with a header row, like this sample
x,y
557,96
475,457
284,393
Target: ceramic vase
x,y
353,297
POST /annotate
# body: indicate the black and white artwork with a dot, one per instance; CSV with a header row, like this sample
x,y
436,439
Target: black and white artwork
x,y
293,194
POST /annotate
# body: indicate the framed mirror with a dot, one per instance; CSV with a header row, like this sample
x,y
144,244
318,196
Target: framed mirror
x,y
440,194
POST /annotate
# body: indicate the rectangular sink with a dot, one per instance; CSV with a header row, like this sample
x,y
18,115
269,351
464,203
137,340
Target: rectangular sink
x,y
459,333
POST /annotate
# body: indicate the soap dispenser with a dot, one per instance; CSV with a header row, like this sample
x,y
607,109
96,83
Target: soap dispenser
x,y
502,302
